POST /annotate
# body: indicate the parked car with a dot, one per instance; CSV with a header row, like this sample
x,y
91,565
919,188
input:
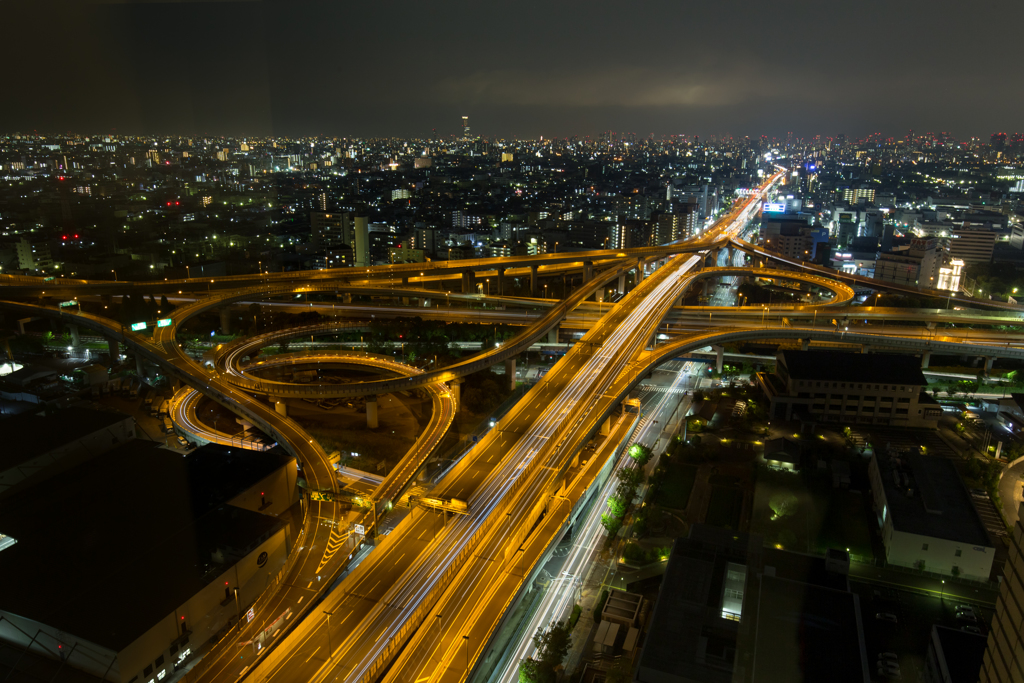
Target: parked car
x,y
971,629
887,616
966,616
887,672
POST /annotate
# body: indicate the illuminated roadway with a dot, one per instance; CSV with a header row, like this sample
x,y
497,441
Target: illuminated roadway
x,y
372,619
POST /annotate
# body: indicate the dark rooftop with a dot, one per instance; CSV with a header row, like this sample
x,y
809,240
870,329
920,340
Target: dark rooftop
x,y
807,633
963,653
940,507
113,545
838,366
28,435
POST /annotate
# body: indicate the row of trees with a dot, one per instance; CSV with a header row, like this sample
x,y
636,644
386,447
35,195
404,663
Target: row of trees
x,y
552,647
630,477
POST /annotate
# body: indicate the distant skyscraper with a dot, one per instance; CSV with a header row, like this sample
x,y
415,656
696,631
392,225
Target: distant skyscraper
x,y
362,240
465,127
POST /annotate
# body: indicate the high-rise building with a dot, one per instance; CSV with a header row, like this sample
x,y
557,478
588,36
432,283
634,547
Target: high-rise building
x,y
362,242
465,127
1004,656
330,230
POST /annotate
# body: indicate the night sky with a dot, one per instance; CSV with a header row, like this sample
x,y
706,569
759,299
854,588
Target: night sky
x,y
517,69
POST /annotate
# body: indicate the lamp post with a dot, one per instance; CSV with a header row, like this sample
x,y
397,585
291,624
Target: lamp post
x,y
943,595
115,274
330,650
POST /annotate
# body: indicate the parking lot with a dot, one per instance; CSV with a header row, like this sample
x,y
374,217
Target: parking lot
x,y
908,637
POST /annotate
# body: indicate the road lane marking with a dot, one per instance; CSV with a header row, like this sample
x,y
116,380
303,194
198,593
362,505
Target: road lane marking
x,y
311,655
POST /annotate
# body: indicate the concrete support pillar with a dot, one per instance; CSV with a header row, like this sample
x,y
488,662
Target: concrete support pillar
x,y
346,298
606,427
140,368
599,295
405,280
930,325
926,358
468,282
704,286
719,358
175,383
225,321
588,271
21,324
622,284
371,412
113,350
510,373
534,286
866,348
501,282
553,335
76,340
805,344
455,386
280,407
989,360
639,270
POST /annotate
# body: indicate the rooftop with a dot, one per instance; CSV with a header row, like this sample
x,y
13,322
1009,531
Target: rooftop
x,y
838,366
807,632
962,653
119,542
28,435
939,506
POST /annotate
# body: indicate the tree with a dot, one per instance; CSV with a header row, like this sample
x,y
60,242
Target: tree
x,y
782,504
617,507
552,645
528,671
611,523
633,476
640,453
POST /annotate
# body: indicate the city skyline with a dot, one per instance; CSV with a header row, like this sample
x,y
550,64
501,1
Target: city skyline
x,y
261,68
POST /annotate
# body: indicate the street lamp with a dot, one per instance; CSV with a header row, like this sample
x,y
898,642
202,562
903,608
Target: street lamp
x,y
330,650
943,595
115,274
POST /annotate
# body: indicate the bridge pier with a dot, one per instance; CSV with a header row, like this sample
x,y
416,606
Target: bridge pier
x,y
405,280
622,284
346,298
533,281
225,321
989,360
501,282
606,426
510,373
76,339
805,344
588,271
468,282
21,324
280,407
704,290
113,350
926,358
639,270
865,348
371,412
553,335
140,368
455,387
719,357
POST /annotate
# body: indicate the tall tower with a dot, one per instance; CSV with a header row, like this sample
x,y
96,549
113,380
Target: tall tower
x,y
1004,657
465,127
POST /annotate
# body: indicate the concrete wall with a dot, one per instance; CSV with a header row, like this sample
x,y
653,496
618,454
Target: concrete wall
x,y
907,550
203,612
